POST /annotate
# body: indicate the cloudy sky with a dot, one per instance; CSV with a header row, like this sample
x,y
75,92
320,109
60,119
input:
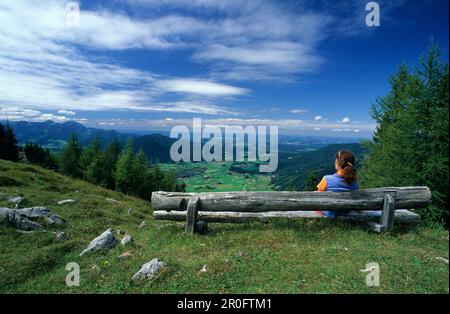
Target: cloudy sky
x,y
308,66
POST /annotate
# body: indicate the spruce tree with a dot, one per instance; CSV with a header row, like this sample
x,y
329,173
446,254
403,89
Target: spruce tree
x,y
311,182
9,150
111,155
124,170
89,154
2,142
69,158
410,143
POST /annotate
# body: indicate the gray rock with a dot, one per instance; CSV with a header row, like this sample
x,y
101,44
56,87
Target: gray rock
x,y
103,241
126,240
23,218
119,232
148,270
41,212
442,259
61,236
129,211
16,199
67,201
111,200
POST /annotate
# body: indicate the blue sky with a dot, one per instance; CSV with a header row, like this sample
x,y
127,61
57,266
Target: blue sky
x,y
310,67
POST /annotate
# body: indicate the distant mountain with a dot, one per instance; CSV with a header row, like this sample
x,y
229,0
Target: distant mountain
x,y
294,168
54,135
155,146
298,155
298,143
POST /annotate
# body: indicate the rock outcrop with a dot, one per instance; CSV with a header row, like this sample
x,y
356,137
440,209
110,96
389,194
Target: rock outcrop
x,y
26,218
103,241
148,270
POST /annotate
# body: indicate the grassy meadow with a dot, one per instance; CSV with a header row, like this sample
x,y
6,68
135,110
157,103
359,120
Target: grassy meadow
x,y
219,177
282,256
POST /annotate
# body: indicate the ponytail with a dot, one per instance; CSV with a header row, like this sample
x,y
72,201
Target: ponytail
x,y
349,174
346,161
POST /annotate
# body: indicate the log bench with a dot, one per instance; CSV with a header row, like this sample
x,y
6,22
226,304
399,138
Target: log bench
x,y
380,207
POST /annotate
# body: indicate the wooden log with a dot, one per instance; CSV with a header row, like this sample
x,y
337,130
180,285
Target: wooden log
x,y
387,216
401,216
169,203
192,214
367,199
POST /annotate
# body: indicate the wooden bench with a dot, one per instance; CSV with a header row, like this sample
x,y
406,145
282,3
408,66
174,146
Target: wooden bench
x,y
199,208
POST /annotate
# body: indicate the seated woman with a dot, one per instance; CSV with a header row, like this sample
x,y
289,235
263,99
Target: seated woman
x,y
343,180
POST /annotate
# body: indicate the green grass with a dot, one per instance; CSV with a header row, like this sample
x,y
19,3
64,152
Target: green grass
x,y
282,256
217,177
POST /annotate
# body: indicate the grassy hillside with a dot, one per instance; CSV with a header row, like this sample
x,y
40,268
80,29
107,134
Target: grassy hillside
x,y
281,256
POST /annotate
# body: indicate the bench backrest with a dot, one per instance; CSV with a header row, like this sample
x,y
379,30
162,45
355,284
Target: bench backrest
x,y
366,199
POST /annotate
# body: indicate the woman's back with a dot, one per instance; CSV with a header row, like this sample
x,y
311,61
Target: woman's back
x,y
336,183
343,180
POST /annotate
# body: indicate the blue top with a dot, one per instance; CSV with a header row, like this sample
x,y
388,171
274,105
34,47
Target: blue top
x,y
336,183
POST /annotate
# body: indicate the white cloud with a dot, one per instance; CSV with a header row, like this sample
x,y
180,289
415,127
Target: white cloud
x,y
40,55
200,87
298,111
44,64
188,107
293,126
318,118
50,116
66,112
17,113
345,120
250,40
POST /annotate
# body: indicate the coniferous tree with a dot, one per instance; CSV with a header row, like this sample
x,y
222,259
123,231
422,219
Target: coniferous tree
x,y
90,154
141,176
2,142
69,158
34,153
410,144
124,170
111,155
50,161
311,182
96,171
9,150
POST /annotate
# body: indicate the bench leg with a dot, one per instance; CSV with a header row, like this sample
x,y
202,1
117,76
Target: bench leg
x,y
192,214
387,216
201,227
